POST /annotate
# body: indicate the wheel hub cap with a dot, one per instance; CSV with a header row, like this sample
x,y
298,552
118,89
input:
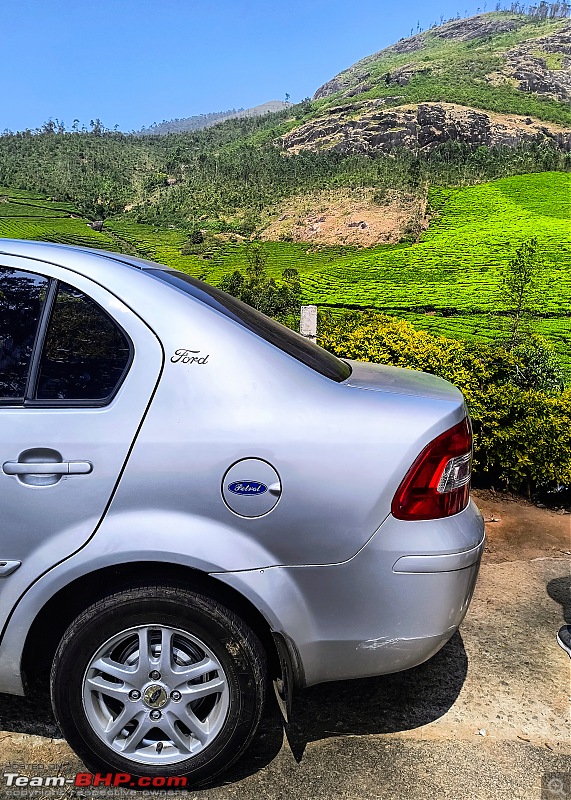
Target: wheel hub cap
x,y
155,696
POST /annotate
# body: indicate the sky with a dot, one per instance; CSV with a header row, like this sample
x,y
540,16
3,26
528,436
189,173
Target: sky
x,y
131,63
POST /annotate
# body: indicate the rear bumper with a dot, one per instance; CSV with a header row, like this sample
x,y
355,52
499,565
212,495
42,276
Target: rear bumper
x,y
395,627
390,607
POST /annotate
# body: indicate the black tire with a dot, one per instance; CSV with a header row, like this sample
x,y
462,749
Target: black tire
x,y
133,612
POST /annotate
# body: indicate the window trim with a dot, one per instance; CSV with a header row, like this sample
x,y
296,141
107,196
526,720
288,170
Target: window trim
x,y
19,402
37,350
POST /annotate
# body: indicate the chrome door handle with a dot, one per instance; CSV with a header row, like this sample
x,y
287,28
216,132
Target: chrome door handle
x,y
47,468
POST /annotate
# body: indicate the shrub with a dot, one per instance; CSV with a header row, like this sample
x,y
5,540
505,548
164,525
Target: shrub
x,y
193,244
195,236
380,196
538,366
280,299
522,435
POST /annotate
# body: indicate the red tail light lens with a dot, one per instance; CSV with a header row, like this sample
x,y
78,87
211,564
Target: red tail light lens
x,y
438,483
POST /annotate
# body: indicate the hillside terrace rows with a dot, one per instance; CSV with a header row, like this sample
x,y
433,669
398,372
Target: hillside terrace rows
x,y
449,282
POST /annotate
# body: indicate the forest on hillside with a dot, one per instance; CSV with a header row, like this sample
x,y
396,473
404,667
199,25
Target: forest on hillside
x,y
222,178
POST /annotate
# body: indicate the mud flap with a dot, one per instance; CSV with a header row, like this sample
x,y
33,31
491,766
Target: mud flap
x,y
284,683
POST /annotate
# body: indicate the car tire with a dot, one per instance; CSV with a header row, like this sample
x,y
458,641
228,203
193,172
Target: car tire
x,y
159,681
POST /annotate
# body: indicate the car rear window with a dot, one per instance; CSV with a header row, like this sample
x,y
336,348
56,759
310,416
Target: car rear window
x,y
273,332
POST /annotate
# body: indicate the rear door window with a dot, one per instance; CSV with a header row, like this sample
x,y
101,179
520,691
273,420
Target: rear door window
x,y
85,353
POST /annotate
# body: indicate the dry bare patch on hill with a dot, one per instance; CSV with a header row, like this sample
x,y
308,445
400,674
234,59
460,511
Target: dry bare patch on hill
x,y
358,217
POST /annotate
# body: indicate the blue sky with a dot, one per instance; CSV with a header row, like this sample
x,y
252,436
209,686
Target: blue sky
x,y
135,62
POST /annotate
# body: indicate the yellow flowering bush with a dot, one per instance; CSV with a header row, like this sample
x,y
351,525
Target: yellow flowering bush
x,y
522,438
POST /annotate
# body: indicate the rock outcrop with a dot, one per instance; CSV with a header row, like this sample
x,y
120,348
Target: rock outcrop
x,y
542,66
369,127
427,89
482,25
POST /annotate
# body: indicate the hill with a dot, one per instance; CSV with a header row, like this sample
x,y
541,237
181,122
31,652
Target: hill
x,y
404,185
472,100
201,121
493,79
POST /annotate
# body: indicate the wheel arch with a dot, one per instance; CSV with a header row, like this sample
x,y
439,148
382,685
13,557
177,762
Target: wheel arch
x,y
52,620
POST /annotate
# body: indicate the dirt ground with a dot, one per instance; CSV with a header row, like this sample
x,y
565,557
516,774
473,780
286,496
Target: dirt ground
x,y
345,216
517,530
486,719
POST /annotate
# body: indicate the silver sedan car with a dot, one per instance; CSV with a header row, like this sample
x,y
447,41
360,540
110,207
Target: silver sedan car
x,y
197,502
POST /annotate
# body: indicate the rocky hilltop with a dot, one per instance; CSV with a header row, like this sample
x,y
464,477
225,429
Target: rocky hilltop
x,y
526,63
495,79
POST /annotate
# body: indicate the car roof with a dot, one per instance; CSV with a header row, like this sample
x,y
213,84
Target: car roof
x,y
63,255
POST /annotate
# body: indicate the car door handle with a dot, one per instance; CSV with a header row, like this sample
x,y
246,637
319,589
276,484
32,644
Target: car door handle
x,y
8,567
47,468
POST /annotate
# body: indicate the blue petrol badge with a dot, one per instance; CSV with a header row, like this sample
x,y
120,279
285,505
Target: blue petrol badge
x,y
247,488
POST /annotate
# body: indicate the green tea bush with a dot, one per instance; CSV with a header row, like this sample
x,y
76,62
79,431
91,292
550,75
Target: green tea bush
x,y
522,436
540,367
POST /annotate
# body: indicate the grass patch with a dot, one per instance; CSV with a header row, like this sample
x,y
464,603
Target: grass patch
x,y
553,61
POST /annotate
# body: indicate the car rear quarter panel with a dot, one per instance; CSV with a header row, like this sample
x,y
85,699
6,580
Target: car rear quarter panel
x,y
340,452
362,617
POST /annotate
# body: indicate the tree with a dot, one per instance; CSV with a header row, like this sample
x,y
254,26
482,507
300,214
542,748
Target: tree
x,y
519,283
257,260
255,287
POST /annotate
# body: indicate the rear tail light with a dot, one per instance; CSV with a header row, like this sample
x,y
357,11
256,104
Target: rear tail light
x,y
438,483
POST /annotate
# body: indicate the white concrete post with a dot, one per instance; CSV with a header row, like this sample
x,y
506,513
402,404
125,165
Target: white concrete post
x,y
308,322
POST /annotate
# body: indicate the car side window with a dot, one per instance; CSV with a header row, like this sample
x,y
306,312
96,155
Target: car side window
x,y
85,353
22,297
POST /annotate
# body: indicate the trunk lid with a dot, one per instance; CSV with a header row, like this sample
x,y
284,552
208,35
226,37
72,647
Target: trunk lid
x,y
396,380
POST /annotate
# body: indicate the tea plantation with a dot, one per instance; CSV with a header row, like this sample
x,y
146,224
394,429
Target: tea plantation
x,y
27,215
449,282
